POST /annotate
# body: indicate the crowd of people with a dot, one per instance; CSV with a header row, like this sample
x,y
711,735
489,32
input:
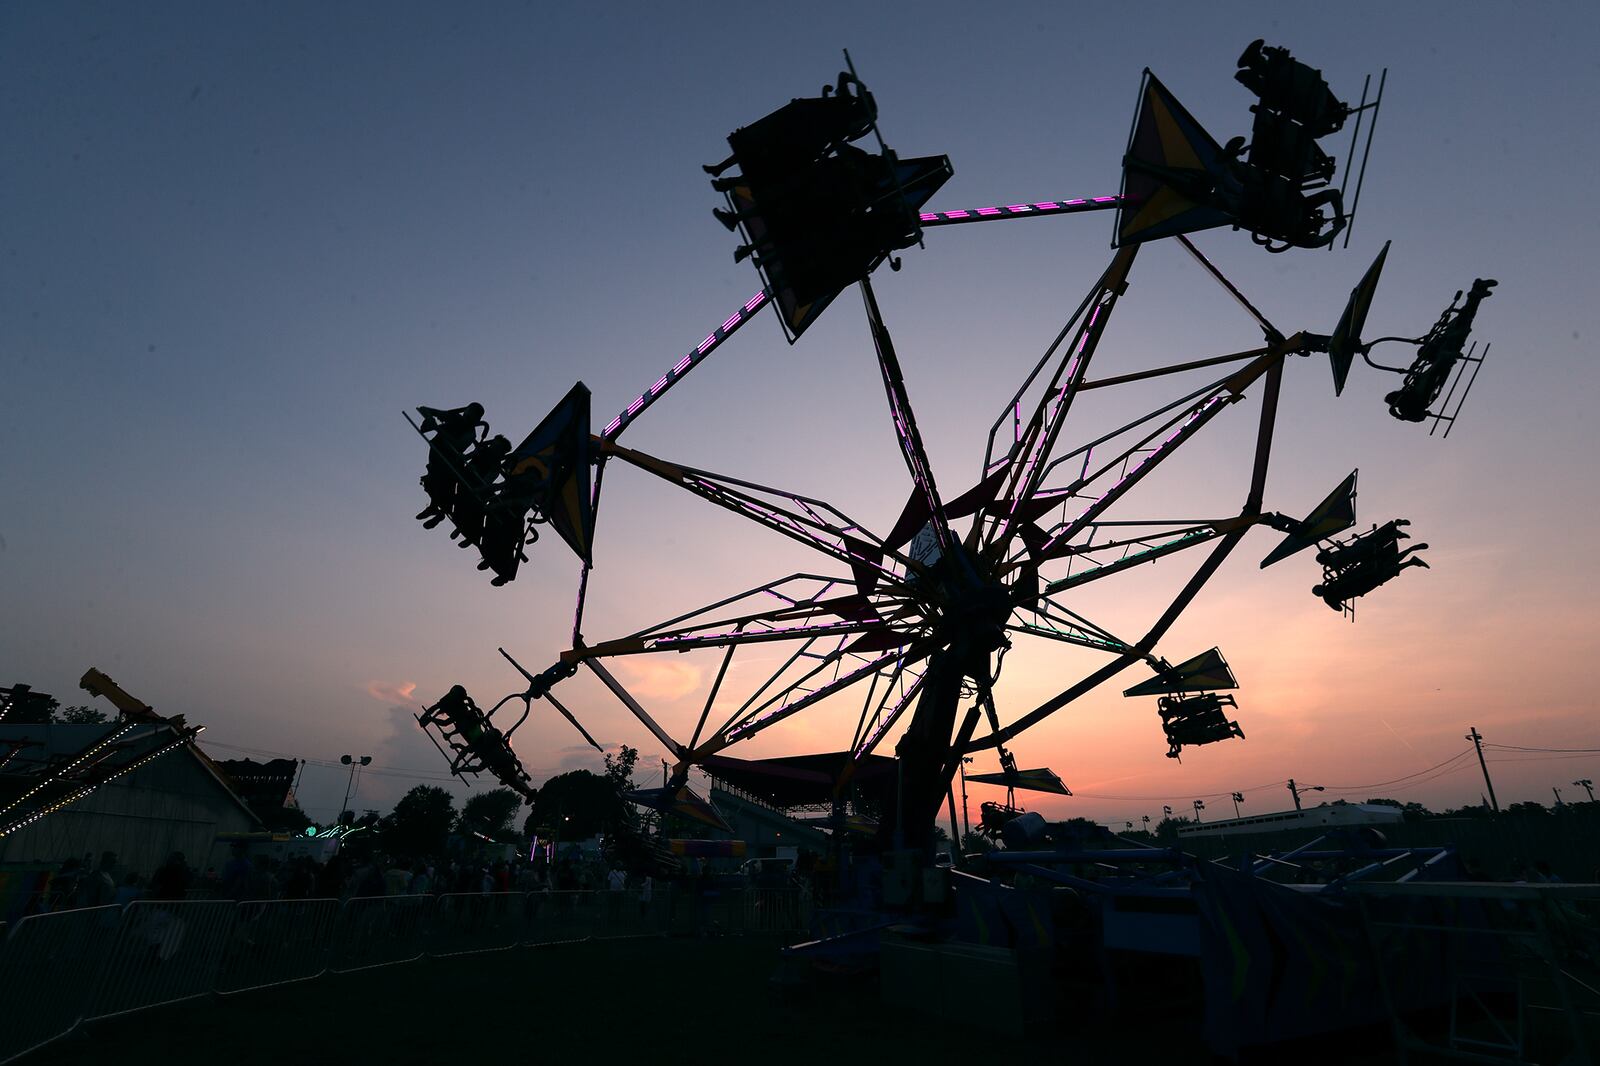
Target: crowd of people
x,y
94,883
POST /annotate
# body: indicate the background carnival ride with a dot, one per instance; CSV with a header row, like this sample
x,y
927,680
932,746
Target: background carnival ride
x,y
915,622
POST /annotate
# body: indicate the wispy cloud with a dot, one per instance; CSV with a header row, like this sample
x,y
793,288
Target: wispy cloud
x,y
394,692
658,679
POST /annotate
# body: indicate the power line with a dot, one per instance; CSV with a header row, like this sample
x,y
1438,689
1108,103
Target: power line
x,y
1565,751
1398,780
1159,799
312,762
1446,771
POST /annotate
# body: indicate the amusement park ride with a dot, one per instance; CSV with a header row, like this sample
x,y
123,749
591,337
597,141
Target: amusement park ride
x,y
915,620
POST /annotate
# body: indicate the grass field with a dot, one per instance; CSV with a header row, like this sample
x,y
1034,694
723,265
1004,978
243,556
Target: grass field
x,y
648,1001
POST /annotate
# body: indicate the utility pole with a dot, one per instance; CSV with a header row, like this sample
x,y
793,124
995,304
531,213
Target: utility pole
x,y
1237,799
966,826
1477,742
1588,786
1295,791
1557,791
1199,805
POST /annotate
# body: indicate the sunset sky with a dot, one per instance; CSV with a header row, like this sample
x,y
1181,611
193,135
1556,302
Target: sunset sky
x,y
240,239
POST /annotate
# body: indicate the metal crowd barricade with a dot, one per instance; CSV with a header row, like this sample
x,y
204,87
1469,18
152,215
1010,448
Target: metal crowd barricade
x,y
166,952
623,913
379,931
775,910
465,922
562,916
57,970
725,908
1516,963
278,941
48,969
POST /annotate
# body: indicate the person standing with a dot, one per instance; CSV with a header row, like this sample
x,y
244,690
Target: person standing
x,y
172,880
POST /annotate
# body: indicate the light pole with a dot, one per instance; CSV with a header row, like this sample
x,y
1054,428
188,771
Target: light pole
x,y
1557,791
1295,791
1238,798
1587,785
1167,811
1199,805
1147,823
350,781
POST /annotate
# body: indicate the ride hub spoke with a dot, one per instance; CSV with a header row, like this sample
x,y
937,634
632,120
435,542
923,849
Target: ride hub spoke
x,y
836,542
681,368
748,729
905,422
1030,456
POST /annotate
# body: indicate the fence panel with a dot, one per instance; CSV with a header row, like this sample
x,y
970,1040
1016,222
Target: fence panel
x,y
465,922
379,931
278,941
621,913
49,965
556,917
166,952
677,909
775,910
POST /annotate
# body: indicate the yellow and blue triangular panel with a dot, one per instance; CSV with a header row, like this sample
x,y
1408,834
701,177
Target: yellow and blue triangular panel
x,y
681,801
1040,780
1204,672
1170,171
549,471
1333,515
860,823
1346,339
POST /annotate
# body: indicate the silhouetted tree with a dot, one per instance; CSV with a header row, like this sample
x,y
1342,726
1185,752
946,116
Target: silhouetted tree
x,y
491,813
78,715
420,823
1167,829
1528,807
619,768
576,805
976,844
1414,812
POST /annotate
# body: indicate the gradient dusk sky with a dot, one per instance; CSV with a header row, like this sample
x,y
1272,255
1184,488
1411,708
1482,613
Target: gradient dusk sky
x,y
240,238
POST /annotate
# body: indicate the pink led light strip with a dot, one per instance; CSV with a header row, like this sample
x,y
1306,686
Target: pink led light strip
x,y
1028,210
686,364
928,218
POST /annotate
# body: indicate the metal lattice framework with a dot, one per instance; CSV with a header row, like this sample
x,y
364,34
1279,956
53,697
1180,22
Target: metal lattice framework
x,y
914,621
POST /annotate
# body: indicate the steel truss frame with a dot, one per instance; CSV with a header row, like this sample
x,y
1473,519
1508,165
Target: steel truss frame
x,y
879,623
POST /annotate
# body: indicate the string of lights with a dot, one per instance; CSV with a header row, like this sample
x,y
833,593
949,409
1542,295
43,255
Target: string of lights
x,y
184,737
67,769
